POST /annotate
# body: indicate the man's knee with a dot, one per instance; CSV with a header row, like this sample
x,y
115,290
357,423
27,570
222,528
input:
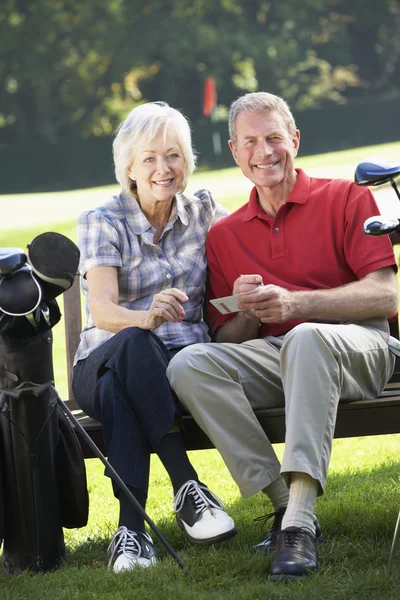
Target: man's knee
x,y
182,369
305,335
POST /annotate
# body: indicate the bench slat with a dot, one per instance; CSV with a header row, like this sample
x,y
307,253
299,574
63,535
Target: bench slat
x,y
356,418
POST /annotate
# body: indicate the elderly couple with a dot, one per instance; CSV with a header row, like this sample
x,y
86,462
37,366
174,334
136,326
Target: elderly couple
x,y
314,331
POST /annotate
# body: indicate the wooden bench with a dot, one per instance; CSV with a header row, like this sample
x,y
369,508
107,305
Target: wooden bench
x,y
356,418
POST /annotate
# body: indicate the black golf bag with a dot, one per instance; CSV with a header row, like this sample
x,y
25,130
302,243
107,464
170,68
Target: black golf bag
x,y
42,471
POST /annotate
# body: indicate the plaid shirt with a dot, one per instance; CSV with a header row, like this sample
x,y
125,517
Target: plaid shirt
x,y
117,234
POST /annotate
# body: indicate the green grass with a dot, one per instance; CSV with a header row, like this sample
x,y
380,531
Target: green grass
x,y
358,512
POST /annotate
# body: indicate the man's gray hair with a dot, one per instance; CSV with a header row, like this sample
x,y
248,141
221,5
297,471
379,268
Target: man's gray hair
x,y
140,127
260,102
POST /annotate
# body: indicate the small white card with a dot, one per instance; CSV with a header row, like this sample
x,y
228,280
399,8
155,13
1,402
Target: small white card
x,y
226,305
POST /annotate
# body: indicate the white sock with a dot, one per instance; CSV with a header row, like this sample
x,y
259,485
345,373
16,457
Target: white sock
x,y
303,493
278,493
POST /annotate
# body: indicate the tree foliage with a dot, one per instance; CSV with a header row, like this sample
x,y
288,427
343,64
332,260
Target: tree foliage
x,y
70,68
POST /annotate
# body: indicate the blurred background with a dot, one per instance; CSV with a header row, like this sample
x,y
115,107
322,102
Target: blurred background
x,y
71,71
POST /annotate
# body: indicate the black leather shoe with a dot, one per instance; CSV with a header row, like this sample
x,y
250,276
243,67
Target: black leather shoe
x,y
296,555
269,544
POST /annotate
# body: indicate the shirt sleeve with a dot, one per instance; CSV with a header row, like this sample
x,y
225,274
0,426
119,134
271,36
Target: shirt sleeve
x,y
98,242
217,286
365,253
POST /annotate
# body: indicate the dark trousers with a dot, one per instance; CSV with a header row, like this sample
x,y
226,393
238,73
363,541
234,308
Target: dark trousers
x,y
123,384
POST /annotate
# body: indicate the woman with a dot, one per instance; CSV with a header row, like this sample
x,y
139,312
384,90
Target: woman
x,y
143,273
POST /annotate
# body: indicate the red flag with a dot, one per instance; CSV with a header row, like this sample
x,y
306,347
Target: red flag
x,y
210,96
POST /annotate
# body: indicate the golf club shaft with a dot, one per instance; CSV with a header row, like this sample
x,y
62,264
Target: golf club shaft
x,y
394,186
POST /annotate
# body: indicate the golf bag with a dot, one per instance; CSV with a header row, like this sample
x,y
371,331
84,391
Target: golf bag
x,y
44,478
42,471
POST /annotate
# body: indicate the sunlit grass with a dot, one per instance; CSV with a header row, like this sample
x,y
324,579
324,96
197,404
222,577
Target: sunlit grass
x,y
357,514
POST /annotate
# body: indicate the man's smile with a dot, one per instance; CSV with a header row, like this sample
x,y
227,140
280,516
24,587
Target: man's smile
x,y
266,166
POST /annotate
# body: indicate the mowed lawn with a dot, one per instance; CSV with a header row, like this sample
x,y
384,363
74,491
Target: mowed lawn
x,y
358,512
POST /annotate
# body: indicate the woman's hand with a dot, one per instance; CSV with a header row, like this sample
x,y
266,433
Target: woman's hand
x,y
166,306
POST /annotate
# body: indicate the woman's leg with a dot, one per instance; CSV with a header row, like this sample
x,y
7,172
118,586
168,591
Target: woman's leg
x,y
141,416
128,452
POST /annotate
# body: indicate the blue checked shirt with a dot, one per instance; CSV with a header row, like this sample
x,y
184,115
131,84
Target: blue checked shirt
x,y
117,234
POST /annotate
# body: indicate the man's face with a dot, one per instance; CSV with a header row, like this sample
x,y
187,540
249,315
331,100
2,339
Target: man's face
x,y
264,149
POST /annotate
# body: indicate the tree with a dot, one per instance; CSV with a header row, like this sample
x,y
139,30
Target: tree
x,y
76,69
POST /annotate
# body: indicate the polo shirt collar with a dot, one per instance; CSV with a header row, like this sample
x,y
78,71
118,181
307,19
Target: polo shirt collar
x,y
137,220
298,195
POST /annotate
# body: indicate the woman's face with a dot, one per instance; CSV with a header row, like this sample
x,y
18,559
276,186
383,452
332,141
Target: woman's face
x,y
158,168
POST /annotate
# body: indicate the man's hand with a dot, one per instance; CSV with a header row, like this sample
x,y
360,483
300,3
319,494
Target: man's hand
x,y
247,283
270,303
165,307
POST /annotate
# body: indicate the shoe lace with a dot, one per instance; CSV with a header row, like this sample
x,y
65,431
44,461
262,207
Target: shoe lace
x,y
125,542
201,500
263,519
291,539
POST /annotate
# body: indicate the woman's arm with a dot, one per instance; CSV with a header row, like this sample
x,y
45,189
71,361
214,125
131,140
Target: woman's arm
x,y
108,315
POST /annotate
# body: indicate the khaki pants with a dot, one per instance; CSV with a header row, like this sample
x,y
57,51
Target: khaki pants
x,y
308,370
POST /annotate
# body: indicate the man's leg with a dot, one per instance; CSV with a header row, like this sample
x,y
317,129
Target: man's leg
x,y
221,385
320,364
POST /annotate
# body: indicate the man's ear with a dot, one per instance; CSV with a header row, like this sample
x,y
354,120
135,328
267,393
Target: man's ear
x,y
233,150
296,142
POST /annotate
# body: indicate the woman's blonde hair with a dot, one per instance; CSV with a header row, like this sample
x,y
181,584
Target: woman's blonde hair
x,y
140,127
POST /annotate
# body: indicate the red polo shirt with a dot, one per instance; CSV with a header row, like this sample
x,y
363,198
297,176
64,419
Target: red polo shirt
x,y
315,241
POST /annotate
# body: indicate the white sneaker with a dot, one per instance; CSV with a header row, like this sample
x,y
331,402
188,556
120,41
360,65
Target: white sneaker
x,y
201,514
131,549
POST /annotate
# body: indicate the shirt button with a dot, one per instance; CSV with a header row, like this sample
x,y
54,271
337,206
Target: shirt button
x,y
276,228
168,276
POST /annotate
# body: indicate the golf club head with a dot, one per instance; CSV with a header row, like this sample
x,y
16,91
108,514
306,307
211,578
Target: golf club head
x,y
376,171
378,225
54,259
11,259
20,293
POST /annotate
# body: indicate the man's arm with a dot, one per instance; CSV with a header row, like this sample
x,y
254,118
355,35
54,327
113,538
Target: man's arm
x,y
239,329
376,295
245,325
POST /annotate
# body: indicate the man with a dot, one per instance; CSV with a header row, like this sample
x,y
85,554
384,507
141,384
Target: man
x,y
312,327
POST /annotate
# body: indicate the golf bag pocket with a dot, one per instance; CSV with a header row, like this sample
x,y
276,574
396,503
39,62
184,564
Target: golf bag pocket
x,y
70,468
1,505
